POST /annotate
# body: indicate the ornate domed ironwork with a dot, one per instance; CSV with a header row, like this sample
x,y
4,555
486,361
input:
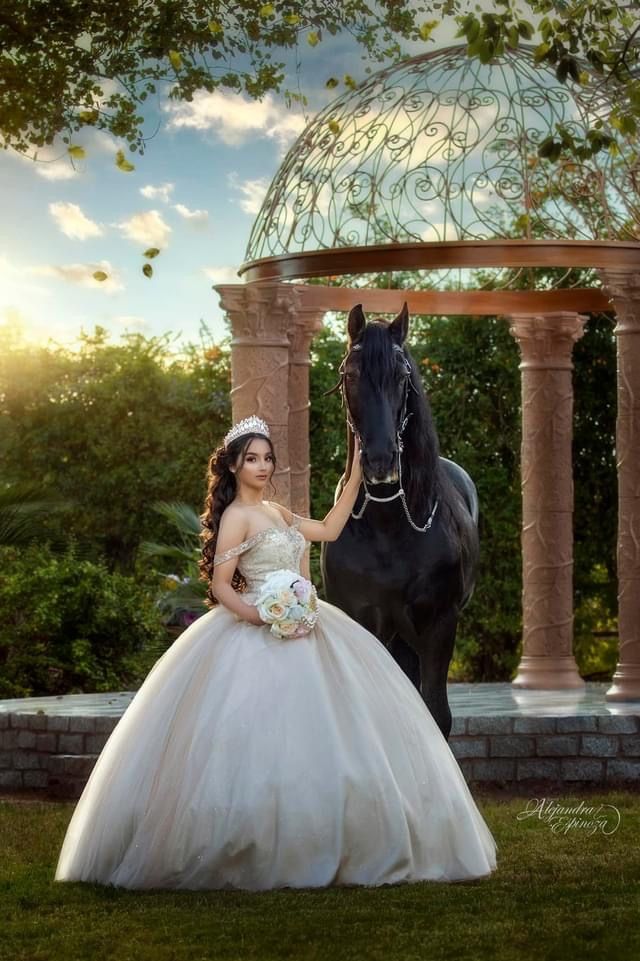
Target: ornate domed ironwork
x,y
443,148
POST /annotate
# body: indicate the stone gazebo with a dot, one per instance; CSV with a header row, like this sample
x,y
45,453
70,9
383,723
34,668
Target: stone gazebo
x,y
432,167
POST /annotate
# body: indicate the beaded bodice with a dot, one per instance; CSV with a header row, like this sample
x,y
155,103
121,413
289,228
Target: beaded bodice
x,y
268,550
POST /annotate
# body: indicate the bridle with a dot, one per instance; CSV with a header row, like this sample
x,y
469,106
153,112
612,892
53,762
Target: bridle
x,y
404,419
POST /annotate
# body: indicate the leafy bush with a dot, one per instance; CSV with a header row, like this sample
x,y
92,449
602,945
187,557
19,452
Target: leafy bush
x,y
470,371
114,430
181,598
69,625
110,428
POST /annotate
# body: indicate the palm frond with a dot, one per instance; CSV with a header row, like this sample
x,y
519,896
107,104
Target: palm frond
x,y
181,515
22,505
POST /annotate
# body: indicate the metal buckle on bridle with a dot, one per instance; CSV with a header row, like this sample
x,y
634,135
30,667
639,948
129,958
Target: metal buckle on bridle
x,y
404,420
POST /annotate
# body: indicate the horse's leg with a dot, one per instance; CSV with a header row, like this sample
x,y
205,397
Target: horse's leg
x,y
406,658
434,668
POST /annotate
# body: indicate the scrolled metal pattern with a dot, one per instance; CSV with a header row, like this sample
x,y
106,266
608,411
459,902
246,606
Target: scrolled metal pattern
x,y
442,148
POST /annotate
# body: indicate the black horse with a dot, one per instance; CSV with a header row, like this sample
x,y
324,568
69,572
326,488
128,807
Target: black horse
x,y
405,563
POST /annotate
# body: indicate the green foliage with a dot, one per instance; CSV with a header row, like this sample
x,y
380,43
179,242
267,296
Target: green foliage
x,y
474,387
182,592
595,497
327,430
136,483
23,508
587,43
470,367
111,429
57,62
68,625
58,59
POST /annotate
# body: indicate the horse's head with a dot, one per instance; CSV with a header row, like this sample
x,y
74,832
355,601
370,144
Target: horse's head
x,y
376,383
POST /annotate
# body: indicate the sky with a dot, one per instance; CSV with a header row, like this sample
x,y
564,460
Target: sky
x,y
194,194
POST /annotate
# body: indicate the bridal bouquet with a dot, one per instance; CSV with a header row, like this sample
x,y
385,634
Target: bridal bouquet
x,y
289,603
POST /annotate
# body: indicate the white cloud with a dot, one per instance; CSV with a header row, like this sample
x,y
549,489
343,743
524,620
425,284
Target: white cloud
x,y
252,192
73,222
162,192
51,162
81,275
105,142
235,119
197,217
147,228
60,169
109,87
440,232
222,275
31,307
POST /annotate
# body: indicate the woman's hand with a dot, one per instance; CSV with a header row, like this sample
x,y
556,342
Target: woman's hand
x,y
251,616
356,463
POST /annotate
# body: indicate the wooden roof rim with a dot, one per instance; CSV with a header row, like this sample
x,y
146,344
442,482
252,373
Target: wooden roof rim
x,y
337,261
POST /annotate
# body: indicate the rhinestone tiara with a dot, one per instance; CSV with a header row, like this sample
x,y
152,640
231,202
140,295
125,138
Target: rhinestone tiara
x,y
249,425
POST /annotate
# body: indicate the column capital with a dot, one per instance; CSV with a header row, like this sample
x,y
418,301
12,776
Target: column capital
x,y
546,340
623,287
621,284
231,296
309,321
261,313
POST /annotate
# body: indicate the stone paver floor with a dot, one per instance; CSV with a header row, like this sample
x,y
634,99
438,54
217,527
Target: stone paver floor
x,y
466,700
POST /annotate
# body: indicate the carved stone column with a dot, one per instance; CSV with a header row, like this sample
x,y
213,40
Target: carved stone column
x,y
306,323
260,321
546,342
624,289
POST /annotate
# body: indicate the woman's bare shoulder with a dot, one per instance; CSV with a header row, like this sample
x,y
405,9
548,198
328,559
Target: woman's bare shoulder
x,y
235,517
281,510
284,512
310,529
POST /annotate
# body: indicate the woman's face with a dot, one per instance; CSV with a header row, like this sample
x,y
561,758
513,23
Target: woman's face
x,y
258,465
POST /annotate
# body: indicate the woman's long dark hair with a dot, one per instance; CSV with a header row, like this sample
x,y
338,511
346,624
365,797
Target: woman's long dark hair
x,y
221,490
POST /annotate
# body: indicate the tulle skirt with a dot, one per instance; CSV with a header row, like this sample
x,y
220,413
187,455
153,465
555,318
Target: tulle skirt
x,y
248,762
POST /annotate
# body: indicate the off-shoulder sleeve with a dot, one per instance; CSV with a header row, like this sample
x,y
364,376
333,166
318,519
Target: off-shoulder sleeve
x,y
232,552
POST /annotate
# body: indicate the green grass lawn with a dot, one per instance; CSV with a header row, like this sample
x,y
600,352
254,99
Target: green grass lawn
x,y
554,896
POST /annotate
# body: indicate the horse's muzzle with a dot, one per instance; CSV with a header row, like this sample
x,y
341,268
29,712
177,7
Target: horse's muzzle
x,y
390,477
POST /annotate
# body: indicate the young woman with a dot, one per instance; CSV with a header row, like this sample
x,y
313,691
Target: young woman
x,y
244,761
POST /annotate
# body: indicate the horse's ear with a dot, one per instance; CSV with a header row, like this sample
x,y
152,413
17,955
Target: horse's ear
x,y
356,323
399,328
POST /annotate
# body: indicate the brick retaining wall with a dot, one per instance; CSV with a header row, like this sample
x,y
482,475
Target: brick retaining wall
x,y
54,754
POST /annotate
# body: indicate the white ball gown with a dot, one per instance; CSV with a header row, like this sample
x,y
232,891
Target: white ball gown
x,y
248,762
